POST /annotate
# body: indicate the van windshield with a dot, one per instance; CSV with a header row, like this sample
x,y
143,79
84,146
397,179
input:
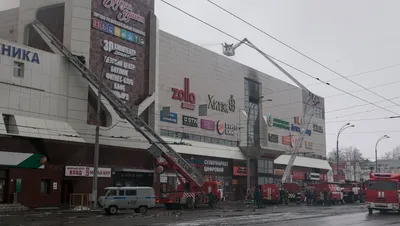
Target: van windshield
x,y
109,192
382,185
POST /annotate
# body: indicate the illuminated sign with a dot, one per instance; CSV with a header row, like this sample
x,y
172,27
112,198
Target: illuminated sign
x,y
309,145
298,129
188,98
172,118
125,8
273,138
278,123
318,128
19,53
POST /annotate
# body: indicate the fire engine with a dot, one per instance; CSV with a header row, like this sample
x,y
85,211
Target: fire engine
x,y
382,192
353,191
194,185
335,195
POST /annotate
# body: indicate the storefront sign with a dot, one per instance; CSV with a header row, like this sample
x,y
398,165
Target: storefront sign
x,y
172,118
125,10
214,166
189,121
109,28
286,140
278,123
273,138
309,145
220,106
298,120
220,127
279,172
294,140
84,171
207,124
19,53
299,175
225,128
298,129
239,171
188,98
318,128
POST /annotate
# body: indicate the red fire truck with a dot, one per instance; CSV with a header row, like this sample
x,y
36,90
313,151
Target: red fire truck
x,y
335,194
353,191
270,193
382,192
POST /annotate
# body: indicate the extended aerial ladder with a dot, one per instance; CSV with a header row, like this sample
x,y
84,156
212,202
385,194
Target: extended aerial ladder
x,y
159,148
309,105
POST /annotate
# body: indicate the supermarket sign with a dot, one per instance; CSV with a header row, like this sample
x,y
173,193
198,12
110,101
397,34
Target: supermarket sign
x,y
84,171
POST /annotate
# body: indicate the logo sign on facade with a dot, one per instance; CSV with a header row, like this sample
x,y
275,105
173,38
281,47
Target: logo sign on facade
x,y
220,106
172,118
188,99
84,171
19,53
279,172
273,138
318,128
298,120
207,124
298,129
239,171
189,121
309,145
294,141
220,127
214,166
286,140
278,123
125,10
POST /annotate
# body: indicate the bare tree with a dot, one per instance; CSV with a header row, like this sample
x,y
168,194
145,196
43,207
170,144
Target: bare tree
x,y
332,156
393,154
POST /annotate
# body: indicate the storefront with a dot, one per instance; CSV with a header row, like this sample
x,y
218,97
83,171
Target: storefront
x,y
239,181
133,178
305,170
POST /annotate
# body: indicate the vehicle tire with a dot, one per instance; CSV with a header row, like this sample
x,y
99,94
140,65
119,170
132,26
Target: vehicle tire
x,y
112,210
369,210
142,209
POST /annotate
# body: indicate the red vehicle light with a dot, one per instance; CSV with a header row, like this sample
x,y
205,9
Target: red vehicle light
x,y
170,201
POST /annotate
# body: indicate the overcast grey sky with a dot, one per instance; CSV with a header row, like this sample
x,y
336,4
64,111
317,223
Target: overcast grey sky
x,y
348,36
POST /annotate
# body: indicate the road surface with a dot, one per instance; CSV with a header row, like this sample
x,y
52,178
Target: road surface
x,y
271,215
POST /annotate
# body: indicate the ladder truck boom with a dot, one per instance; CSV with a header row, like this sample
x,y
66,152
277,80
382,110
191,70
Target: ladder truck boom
x,y
309,105
159,148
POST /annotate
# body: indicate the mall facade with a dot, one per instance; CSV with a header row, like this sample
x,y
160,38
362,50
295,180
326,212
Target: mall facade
x,y
218,111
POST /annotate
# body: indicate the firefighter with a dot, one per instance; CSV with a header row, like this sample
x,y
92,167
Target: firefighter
x,y
298,198
314,198
258,198
286,194
308,197
211,200
326,197
281,196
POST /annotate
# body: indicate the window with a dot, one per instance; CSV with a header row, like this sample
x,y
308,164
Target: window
x,y
131,192
164,132
265,166
208,139
45,186
18,69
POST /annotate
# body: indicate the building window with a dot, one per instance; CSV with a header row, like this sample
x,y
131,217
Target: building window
x,y
18,69
131,192
265,166
45,186
265,180
194,137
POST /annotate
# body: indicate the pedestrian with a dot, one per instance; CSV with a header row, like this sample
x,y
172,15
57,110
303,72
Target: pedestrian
x,y
286,197
211,200
258,198
308,197
325,197
314,198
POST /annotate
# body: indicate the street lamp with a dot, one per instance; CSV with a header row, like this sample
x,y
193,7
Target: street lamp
x,y
260,100
376,150
97,134
346,126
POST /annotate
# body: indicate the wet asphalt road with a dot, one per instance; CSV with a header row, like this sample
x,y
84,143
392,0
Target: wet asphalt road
x,y
232,215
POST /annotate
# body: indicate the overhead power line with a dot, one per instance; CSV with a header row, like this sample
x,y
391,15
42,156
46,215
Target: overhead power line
x,y
304,55
280,61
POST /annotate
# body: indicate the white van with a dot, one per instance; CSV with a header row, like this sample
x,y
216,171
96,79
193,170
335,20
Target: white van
x,y
138,198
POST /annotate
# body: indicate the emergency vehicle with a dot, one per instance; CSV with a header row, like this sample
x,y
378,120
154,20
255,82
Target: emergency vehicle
x,y
353,191
270,193
382,192
195,182
335,195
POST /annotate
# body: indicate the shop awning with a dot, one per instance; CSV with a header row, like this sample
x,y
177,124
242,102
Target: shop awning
x,y
205,149
304,162
40,128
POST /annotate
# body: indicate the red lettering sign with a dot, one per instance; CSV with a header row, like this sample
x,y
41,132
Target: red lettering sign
x,y
185,95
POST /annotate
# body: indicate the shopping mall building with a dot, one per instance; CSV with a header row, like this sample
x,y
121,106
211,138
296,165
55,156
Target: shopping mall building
x,y
217,111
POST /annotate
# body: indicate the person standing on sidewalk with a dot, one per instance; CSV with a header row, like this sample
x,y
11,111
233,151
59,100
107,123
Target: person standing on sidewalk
x,y
258,198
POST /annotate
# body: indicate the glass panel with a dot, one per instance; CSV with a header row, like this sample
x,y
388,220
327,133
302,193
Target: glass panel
x,y
131,192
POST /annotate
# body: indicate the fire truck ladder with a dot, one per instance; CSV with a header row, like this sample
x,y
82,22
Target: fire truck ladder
x,y
309,105
159,148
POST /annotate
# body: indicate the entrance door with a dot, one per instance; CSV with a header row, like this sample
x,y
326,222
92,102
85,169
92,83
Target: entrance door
x,y
66,191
